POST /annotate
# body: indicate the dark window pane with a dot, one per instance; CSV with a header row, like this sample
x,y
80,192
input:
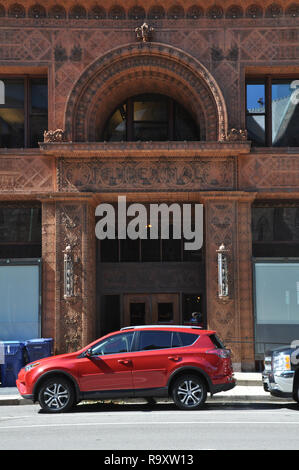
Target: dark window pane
x,y
154,340
38,124
108,315
255,125
171,250
188,338
129,250
150,250
165,312
285,115
185,127
275,224
137,313
11,127
39,96
13,92
145,131
151,109
109,251
20,224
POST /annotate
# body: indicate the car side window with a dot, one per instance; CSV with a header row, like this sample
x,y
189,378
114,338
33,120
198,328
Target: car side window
x,y
188,338
121,343
149,340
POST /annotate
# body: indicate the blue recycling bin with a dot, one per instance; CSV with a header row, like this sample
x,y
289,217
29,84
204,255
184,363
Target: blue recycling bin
x,y
13,362
38,348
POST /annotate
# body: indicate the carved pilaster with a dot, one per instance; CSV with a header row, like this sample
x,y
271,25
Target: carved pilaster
x,y
75,228
228,221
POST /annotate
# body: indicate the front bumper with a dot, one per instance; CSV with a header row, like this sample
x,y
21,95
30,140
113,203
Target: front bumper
x,y
279,384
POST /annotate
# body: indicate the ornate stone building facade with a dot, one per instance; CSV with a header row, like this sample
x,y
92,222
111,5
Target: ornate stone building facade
x,y
201,55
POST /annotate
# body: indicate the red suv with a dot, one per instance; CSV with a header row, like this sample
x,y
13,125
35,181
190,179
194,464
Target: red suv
x,y
184,363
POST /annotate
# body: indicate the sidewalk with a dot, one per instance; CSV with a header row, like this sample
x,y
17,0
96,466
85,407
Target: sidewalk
x,y
249,388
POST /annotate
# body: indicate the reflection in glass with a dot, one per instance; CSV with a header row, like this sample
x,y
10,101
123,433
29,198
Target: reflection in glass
x,y
255,125
14,92
39,96
116,128
285,115
11,127
256,110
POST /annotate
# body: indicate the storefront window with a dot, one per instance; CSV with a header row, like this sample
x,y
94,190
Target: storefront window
x,y
276,304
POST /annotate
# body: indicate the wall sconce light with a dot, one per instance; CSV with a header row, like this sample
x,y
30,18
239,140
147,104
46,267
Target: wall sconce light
x,y
68,273
222,272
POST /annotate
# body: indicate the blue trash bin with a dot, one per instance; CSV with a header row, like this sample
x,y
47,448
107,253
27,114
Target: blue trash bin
x,y
38,348
13,362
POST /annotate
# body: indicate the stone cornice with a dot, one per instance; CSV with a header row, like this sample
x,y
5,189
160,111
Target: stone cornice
x,y
144,149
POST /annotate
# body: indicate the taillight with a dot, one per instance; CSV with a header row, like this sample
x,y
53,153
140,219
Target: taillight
x,y
224,353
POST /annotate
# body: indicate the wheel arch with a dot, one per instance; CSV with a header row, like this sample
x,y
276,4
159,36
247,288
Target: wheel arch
x,y
190,370
55,373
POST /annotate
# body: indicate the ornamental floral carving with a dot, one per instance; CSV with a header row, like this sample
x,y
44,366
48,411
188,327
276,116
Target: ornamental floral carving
x,y
236,135
144,32
54,136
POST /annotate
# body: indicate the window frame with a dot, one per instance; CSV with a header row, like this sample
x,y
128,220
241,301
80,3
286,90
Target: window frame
x,y
27,78
267,80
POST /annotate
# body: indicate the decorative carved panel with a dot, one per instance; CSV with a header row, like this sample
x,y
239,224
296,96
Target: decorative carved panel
x,y
146,175
26,174
268,172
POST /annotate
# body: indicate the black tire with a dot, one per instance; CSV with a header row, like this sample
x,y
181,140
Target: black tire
x,y
56,395
296,393
189,392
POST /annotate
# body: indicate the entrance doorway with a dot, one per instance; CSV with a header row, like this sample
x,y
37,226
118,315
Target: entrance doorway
x,y
142,309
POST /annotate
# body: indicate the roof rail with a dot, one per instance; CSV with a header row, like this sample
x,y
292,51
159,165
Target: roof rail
x,y
162,326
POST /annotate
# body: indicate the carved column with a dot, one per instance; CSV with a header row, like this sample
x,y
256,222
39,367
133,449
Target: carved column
x,y
75,223
228,221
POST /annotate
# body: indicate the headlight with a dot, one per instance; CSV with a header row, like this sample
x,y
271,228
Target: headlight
x,y
282,362
31,366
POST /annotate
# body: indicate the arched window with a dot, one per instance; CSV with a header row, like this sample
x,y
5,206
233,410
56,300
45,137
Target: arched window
x,y
150,117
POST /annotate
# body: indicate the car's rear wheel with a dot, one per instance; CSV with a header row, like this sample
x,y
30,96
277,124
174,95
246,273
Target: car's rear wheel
x,y
189,392
56,395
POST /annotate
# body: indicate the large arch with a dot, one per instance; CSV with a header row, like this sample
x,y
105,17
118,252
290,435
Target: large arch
x,y
144,68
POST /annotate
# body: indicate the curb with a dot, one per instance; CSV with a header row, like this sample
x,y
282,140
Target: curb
x,y
219,399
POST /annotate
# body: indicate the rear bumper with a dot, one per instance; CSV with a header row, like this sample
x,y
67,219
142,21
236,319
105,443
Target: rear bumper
x,y
223,387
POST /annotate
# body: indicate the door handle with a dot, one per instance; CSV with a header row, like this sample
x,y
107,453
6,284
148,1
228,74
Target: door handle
x,y
126,362
174,358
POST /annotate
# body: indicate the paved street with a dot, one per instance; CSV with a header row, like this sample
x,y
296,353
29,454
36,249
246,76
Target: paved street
x,y
138,427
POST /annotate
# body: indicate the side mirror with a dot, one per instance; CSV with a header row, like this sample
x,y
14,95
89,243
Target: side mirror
x,y
88,353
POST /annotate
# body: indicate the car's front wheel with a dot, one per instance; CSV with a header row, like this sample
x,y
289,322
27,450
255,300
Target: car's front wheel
x,y
56,395
189,392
